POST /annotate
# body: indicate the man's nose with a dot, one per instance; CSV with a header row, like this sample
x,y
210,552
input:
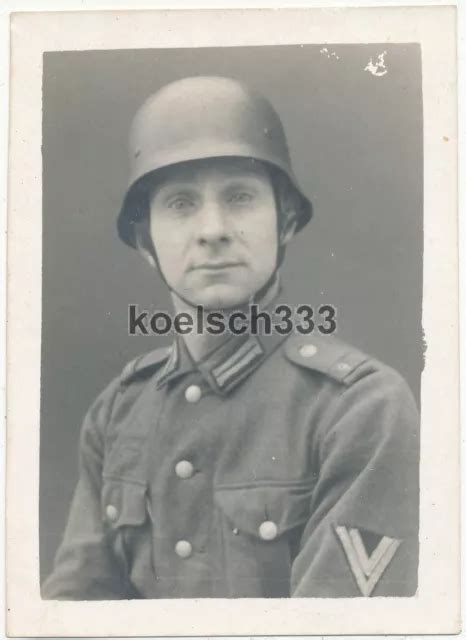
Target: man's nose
x,y
212,224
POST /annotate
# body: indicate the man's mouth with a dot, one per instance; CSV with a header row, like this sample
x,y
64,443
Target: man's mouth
x,y
216,265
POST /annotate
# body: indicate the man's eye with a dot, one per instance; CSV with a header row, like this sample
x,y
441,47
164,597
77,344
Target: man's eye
x,y
180,204
242,197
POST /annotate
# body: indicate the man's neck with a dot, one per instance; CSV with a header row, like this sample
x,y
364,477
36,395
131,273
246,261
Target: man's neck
x,y
200,344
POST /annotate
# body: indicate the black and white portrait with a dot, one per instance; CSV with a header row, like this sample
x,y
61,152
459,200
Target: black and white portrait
x,y
189,450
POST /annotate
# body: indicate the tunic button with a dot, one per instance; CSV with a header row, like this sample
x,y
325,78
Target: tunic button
x,y
268,530
112,512
193,393
183,549
184,469
307,351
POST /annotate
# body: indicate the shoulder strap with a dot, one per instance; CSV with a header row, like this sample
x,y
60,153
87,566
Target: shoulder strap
x,y
146,363
328,355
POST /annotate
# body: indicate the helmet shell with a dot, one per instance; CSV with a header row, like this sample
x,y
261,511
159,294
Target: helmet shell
x,y
198,118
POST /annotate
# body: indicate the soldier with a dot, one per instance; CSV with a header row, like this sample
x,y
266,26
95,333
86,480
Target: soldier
x,y
236,465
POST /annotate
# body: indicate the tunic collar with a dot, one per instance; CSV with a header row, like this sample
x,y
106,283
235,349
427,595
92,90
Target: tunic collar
x,y
226,365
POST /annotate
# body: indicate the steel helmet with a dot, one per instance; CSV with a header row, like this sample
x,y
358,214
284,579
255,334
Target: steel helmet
x,y
198,118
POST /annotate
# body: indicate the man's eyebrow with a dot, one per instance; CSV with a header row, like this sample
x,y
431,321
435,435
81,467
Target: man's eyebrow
x,y
186,185
247,181
171,186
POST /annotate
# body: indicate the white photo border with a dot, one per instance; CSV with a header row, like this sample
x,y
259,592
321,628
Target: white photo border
x,y
435,609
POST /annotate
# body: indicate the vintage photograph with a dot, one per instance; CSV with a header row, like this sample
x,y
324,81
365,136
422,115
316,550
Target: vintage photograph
x,y
231,460
232,324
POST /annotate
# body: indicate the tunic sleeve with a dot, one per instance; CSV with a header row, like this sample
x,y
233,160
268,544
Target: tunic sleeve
x,y
362,536
85,568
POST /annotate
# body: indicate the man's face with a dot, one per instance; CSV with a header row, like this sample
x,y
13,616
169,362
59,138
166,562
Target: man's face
x,y
213,224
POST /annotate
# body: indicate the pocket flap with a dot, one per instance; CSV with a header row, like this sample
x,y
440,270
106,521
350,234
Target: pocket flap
x,y
249,508
123,503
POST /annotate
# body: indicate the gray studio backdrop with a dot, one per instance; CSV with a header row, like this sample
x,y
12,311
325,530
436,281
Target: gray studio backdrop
x,y
356,144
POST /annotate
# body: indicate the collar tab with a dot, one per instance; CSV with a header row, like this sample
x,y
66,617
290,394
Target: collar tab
x,y
227,367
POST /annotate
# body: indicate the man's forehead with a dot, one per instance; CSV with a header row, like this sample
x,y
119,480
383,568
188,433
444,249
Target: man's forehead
x,y
222,169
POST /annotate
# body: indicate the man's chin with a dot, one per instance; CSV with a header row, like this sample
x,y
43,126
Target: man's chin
x,y
219,297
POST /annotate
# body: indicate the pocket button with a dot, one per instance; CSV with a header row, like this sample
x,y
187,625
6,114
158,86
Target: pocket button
x,y
268,530
111,512
183,549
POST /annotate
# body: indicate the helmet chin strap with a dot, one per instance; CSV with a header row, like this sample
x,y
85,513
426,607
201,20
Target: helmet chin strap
x,y
268,291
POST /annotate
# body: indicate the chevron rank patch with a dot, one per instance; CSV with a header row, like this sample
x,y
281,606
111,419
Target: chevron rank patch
x,y
368,555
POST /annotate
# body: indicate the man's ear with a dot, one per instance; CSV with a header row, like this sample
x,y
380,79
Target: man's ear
x,y
288,226
144,243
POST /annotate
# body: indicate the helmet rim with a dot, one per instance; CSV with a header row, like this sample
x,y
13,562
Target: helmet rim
x,y
131,204
199,118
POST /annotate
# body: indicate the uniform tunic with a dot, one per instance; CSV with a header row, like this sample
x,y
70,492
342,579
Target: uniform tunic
x,y
274,467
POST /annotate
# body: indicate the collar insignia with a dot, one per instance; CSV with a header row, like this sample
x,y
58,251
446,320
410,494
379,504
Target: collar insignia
x,y
244,360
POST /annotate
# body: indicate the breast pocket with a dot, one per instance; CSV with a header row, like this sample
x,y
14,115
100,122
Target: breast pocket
x,y
261,528
123,503
125,513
